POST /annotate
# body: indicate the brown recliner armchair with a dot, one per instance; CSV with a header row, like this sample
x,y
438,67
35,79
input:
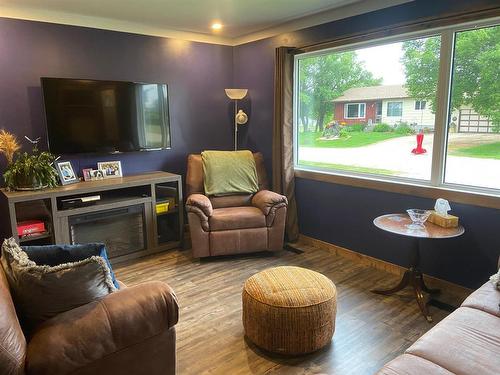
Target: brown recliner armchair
x,y
233,224
130,331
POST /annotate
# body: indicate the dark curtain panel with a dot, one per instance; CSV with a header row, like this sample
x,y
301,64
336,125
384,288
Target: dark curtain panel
x,y
283,173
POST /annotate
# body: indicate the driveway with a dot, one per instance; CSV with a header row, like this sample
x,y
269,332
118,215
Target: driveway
x,y
395,155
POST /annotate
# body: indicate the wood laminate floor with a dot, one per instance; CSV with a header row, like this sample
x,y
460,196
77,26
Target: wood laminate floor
x,y
370,329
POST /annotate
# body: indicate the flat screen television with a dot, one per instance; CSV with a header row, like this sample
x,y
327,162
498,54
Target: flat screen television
x,y
89,116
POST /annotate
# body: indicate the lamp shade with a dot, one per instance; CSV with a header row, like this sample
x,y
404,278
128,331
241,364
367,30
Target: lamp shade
x,y
236,93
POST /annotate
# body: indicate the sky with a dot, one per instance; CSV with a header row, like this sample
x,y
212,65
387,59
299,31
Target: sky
x,y
384,61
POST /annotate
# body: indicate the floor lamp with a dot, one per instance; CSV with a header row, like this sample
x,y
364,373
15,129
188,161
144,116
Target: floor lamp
x,y
240,117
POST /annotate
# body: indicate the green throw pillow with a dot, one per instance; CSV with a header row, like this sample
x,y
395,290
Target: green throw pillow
x,y
229,172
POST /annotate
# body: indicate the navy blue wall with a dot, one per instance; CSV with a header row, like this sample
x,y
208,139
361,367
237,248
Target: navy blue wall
x,y
196,73
343,215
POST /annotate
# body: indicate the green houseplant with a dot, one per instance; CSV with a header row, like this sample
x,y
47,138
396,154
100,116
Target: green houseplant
x,y
31,171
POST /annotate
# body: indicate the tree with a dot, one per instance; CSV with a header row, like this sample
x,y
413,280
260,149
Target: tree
x,y
476,77
326,77
421,64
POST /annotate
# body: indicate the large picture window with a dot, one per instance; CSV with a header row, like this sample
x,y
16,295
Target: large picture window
x,y
473,137
421,108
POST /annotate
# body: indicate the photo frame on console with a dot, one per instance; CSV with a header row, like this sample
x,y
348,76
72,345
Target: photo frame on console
x,y
86,174
66,172
97,174
112,169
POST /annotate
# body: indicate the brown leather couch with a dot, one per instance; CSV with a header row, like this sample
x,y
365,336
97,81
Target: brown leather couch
x,y
237,223
465,342
130,331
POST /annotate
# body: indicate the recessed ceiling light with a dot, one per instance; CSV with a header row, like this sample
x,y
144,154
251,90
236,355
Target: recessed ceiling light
x,y
216,26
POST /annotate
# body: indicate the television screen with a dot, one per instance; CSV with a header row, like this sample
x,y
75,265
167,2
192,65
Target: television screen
x,y
88,116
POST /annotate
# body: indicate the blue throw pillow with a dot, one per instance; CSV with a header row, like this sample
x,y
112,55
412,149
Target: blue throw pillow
x,y
54,255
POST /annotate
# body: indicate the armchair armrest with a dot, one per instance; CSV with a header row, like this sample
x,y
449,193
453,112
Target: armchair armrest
x,y
200,202
200,205
265,200
122,320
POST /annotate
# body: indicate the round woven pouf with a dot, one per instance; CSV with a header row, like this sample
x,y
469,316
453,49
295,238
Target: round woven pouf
x,y
289,310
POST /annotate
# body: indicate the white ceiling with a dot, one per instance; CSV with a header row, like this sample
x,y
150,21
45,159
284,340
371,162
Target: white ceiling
x,y
243,20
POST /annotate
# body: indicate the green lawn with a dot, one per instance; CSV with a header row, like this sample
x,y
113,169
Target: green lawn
x,y
355,139
487,151
344,167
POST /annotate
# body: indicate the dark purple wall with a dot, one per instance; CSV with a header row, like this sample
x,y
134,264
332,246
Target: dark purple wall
x,y
343,215
196,73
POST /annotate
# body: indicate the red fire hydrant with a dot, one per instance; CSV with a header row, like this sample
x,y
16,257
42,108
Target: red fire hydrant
x,y
419,149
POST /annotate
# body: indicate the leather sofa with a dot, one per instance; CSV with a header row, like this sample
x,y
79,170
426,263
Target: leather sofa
x,y
466,342
130,331
233,224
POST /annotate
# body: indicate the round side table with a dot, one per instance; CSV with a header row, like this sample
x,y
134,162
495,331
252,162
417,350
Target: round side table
x,y
398,224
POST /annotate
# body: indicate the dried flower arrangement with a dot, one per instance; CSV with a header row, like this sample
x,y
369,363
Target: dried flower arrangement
x,y
8,145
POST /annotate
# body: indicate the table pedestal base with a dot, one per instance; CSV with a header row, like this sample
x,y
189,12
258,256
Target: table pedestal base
x,y
412,276
401,224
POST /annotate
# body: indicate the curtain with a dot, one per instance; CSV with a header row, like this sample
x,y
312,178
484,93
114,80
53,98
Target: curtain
x,y
283,172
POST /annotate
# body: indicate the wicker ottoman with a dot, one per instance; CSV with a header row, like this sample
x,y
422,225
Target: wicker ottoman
x,y
289,310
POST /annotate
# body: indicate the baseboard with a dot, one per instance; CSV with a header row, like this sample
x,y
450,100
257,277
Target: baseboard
x,y
453,294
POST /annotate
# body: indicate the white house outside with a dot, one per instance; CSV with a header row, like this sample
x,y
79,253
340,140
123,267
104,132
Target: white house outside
x,y
391,104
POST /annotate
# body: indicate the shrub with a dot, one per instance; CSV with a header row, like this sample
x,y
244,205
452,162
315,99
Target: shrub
x,y
355,128
343,133
382,128
404,128
496,127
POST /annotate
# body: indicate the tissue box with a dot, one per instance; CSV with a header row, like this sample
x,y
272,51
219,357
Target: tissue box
x,y
445,221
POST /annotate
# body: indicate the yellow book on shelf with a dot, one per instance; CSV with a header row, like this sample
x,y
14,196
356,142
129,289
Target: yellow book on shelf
x,y
162,207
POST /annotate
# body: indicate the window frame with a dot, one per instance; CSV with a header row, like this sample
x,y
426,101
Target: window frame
x,y
487,197
420,107
346,111
394,102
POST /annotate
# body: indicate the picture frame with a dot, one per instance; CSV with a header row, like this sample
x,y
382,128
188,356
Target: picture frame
x,y
112,169
86,174
66,172
97,174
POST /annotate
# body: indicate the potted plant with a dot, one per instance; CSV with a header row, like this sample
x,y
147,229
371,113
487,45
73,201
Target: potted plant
x,y
28,171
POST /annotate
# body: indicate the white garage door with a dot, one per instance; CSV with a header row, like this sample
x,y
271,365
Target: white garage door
x,y
471,122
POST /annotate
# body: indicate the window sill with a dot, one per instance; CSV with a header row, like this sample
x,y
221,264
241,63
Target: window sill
x,y
453,195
